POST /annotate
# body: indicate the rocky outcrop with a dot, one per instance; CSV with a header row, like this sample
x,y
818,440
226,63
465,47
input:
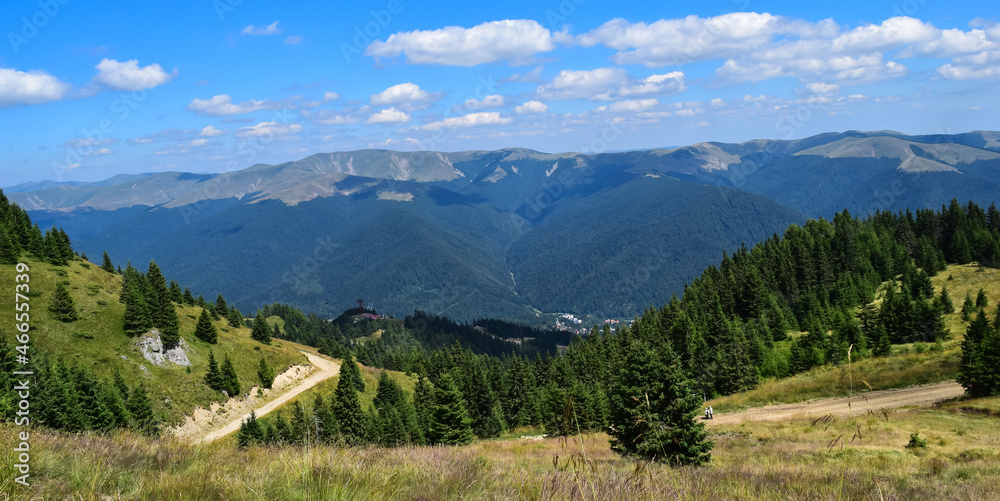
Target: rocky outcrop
x,y
152,349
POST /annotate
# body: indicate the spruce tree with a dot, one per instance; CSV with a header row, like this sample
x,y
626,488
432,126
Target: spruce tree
x,y
188,298
10,249
947,305
62,305
141,410
653,410
450,423
250,432
266,373
968,307
213,378
980,355
175,293
981,301
220,305
234,318
136,319
106,263
205,330
349,371
260,330
170,327
347,412
230,381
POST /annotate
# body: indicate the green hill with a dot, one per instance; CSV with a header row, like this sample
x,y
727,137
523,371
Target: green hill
x,y
97,340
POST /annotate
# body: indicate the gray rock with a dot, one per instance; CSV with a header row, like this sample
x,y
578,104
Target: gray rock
x,y
152,349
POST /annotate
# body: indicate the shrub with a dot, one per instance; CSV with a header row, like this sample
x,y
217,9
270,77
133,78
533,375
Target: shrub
x,y
916,442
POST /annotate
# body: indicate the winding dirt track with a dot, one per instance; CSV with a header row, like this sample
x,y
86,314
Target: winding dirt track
x,y
324,370
919,396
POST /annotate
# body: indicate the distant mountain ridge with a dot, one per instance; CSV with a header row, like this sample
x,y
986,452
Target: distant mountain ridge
x,y
509,233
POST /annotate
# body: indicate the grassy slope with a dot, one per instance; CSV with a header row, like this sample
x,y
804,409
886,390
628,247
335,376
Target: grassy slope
x,y
773,461
97,338
904,368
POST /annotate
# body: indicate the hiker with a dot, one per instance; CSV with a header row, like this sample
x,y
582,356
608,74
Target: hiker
x,y
711,413
706,412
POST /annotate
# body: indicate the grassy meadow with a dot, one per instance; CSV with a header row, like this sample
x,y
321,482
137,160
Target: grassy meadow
x,y
861,458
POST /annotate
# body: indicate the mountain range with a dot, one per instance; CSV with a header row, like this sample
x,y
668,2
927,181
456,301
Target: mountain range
x,y
512,233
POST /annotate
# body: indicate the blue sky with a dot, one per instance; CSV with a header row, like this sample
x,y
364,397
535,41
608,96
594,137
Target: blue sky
x,y
219,85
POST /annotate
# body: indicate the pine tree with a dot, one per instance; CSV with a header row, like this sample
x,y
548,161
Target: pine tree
x,y
205,330
947,305
170,333
230,381
450,423
968,307
220,305
347,412
234,318
349,371
423,400
213,378
250,432
136,319
260,330
265,373
141,410
106,263
981,301
62,305
10,249
175,293
188,298
653,411
980,358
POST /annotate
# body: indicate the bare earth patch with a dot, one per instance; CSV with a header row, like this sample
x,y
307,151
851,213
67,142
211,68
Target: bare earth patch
x,y
860,404
219,420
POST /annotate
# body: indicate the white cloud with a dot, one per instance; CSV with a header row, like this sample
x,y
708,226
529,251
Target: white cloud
x,y
408,96
270,129
633,105
531,107
821,89
330,96
593,84
199,142
513,40
293,40
756,47
492,101
604,84
211,131
389,116
271,29
129,76
32,87
466,121
983,65
87,142
670,83
100,151
223,105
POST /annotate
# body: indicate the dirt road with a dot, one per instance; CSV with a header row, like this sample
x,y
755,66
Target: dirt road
x,y
324,370
859,405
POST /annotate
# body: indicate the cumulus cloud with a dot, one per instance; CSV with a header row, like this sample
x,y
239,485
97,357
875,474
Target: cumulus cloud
x,y
466,121
211,131
98,152
389,116
330,96
514,40
531,107
223,105
293,40
761,46
983,65
492,101
633,105
822,89
129,76
408,96
88,142
32,87
604,84
269,129
271,29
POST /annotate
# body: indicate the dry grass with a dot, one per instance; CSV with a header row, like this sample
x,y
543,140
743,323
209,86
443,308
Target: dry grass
x,y
860,458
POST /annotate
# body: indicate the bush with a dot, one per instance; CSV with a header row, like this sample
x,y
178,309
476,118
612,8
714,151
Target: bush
x,y
916,442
